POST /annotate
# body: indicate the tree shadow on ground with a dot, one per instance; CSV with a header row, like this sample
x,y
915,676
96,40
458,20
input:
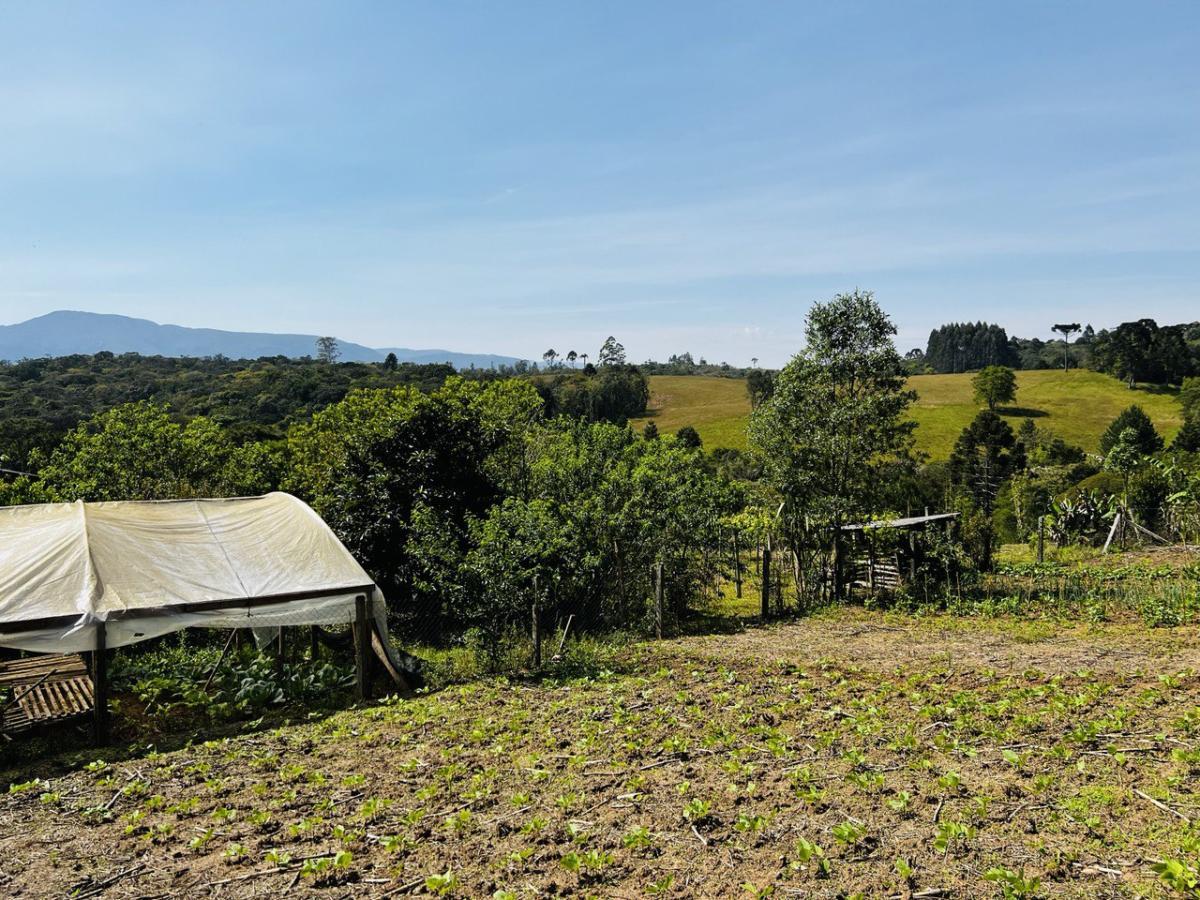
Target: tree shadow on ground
x,y
1162,389
1022,412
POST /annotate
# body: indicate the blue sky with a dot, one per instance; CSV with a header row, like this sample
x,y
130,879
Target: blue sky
x,y
509,177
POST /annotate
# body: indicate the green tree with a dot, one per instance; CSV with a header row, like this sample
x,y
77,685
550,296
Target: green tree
x,y
136,452
1066,330
994,385
985,455
1124,458
650,432
328,350
1188,437
612,353
687,436
1149,440
399,475
836,416
759,385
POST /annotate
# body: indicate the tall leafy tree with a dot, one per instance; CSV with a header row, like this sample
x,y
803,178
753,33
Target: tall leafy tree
x,y
1066,329
759,385
612,352
328,350
994,385
836,415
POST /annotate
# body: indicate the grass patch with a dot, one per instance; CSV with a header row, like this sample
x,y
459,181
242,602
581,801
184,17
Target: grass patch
x,y
1076,405
716,407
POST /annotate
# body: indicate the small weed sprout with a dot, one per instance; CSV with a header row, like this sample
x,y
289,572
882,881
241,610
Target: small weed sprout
x,y
1013,885
849,833
809,853
952,834
441,884
637,839
697,809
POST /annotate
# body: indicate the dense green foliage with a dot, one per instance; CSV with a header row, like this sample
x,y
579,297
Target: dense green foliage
x,y
1145,351
834,421
42,399
994,385
467,503
611,394
965,346
1147,439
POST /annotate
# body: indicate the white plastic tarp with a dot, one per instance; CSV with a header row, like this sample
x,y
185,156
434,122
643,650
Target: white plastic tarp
x,y
137,566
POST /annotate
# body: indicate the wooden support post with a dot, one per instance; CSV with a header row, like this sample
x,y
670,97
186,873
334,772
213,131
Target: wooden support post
x,y
279,653
314,645
658,600
536,626
362,647
837,569
1112,532
100,687
737,564
766,581
1041,539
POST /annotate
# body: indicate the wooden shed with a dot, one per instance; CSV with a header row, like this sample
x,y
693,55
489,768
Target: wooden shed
x,y
874,569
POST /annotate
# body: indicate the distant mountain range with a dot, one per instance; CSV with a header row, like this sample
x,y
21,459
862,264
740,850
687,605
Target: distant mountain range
x,y
65,332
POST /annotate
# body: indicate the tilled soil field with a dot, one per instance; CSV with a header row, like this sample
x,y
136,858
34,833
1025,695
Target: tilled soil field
x,y
858,753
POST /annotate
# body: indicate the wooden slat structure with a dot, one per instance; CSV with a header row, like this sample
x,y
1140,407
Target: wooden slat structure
x,y
45,690
885,572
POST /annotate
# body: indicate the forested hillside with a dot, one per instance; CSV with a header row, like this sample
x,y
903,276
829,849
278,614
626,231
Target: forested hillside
x,y
42,399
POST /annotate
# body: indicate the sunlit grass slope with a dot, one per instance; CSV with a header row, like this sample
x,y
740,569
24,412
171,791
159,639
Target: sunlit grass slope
x,y
715,407
1076,405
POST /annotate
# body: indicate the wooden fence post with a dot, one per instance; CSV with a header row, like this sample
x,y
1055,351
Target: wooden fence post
x,y
362,646
536,627
658,600
280,653
100,687
1041,539
737,565
766,581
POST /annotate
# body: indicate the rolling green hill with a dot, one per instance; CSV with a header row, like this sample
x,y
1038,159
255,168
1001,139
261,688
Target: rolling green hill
x,y
1076,405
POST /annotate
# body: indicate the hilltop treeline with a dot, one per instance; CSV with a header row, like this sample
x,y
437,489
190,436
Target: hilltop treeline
x,y
961,347
41,400
1137,351
1146,351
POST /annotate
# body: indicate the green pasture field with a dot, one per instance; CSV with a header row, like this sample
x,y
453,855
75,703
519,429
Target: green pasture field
x,y
1076,405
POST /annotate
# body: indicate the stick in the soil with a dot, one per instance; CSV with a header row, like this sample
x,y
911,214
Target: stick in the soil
x,y
404,888
562,643
102,886
220,659
1162,806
